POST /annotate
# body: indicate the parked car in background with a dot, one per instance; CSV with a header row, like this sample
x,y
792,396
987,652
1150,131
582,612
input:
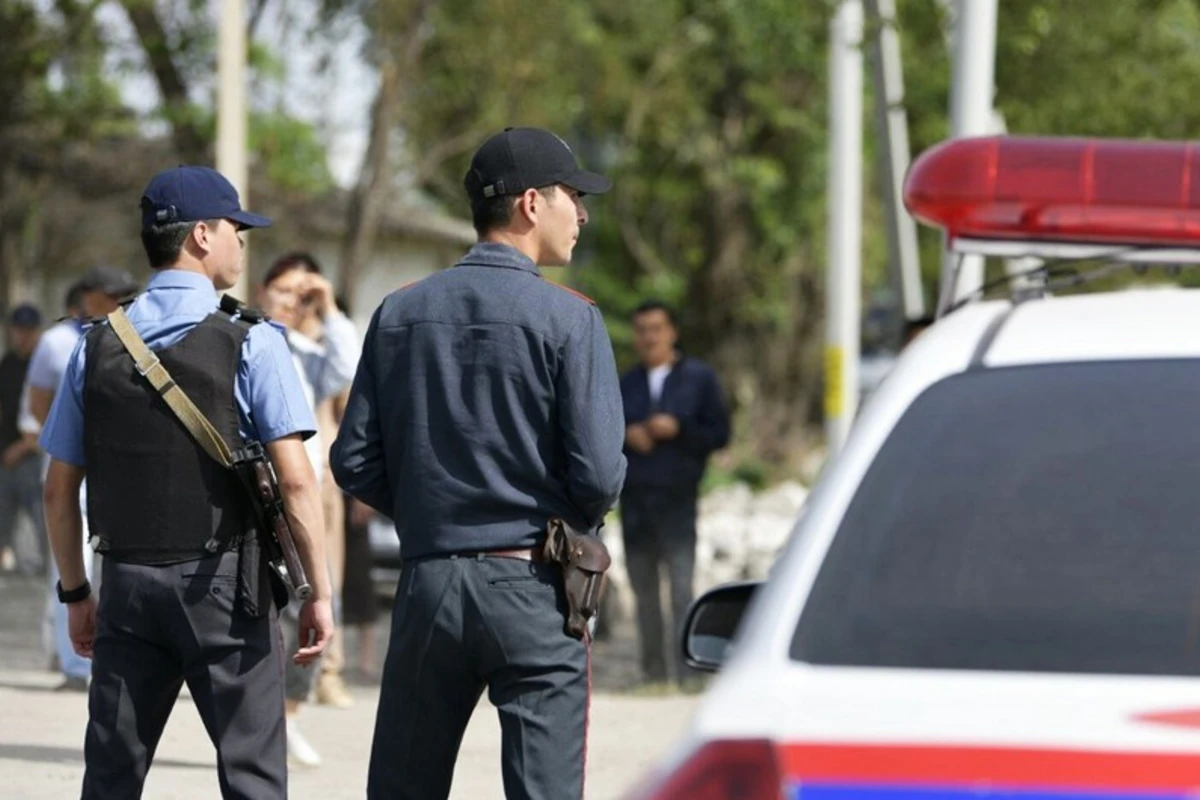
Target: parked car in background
x,y
385,556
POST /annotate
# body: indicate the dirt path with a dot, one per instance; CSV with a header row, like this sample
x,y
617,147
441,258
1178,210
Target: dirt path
x,y
41,746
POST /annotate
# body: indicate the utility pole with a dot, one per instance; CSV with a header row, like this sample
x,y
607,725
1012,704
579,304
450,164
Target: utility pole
x,y
892,125
231,110
844,282
971,98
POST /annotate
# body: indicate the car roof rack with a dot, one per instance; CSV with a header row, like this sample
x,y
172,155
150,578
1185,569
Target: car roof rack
x,y
1054,268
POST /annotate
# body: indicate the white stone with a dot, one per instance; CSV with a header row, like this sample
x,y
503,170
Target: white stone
x,y
739,536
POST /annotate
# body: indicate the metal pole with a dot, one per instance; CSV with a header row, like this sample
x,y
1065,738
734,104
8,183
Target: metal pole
x,y
844,310
892,122
971,95
231,109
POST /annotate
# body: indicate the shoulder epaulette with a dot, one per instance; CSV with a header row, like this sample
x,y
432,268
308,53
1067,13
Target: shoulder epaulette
x,y
578,294
236,308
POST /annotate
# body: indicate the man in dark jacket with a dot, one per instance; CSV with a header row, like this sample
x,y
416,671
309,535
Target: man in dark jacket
x,y
675,417
486,404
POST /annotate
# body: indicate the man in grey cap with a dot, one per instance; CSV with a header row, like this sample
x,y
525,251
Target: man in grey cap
x,y
103,287
486,404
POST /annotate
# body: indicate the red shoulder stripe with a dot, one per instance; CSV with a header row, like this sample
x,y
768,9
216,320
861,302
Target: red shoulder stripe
x,y
580,295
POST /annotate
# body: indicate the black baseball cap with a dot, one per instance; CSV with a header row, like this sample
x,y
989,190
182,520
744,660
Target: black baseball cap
x,y
25,315
517,159
191,194
109,280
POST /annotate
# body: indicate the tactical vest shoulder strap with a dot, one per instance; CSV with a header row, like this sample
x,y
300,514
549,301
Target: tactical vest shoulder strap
x,y
148,366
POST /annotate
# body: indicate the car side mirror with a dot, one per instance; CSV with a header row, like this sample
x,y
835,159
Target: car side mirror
x,y
712,620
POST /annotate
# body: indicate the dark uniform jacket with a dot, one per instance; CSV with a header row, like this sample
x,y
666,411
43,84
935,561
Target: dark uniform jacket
x,y
486,402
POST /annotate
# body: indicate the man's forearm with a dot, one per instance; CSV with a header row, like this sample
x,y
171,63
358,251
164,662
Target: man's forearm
x,y
306,517
29,444
64,522
40,401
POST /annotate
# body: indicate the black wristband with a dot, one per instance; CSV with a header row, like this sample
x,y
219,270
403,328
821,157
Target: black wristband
x,y
75,595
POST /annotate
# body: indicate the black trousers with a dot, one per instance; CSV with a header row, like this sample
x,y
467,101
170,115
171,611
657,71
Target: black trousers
x,y
157,627
463,623
659,528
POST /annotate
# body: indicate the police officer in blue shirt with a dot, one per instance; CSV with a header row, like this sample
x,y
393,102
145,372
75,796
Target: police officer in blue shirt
x,y
172,609
486,402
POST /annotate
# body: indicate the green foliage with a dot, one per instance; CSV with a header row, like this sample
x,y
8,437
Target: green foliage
x,y
294,156
751,471
51,83
710,115
712,118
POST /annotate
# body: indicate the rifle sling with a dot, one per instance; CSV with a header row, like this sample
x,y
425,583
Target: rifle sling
x,y
151,368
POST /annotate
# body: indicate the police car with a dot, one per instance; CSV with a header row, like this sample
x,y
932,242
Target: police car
x,y
994,589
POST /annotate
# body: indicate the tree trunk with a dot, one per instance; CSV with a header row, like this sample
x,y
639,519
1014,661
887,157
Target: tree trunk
x,y
367,200
189,141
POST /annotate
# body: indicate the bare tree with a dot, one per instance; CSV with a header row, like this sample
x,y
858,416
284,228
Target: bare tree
x,y
399,53
190,141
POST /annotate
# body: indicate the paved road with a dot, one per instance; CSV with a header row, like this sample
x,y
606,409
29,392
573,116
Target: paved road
x,y
42,730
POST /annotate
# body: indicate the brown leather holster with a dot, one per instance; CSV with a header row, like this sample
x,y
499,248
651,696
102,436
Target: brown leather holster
x,y
584,560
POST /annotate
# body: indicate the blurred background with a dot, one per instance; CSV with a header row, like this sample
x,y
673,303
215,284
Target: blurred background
x,y
711,116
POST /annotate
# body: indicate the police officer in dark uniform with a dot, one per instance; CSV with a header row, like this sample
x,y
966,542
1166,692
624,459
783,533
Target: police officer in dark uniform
x,y
486,402
169,520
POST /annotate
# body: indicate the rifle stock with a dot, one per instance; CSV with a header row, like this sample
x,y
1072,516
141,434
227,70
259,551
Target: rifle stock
x,y
280,531
274,532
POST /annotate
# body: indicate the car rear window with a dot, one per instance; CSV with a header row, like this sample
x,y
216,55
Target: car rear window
x,y
1039,518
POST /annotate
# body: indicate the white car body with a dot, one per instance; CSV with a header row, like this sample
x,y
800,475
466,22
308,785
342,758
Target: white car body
x,y
841,732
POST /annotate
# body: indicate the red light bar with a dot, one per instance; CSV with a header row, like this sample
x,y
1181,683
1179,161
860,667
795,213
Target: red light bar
x,y
1098,191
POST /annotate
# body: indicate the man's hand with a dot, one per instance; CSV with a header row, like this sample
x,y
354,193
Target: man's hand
x,y
638,437
81,625
663,427
318,291
316,631
15,453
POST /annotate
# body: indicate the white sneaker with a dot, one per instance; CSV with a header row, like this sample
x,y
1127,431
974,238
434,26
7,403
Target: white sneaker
x,y
300,752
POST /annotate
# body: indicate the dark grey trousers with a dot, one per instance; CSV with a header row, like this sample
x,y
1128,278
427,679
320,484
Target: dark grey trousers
x,y
463,623
158,627
659,529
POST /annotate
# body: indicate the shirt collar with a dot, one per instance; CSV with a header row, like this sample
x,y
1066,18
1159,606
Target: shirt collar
x,y
494,254
180,279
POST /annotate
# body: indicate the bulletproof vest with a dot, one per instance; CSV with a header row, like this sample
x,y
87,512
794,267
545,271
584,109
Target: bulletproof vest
x,y
153,495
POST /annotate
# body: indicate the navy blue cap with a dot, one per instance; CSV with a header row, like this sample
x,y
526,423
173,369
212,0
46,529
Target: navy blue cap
x,y
191,194
25,316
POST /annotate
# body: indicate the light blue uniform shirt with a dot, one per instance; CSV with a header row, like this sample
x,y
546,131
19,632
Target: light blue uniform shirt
x,y
269,396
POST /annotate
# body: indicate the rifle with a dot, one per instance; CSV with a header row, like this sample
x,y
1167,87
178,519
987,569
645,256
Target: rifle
x,y
275,532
